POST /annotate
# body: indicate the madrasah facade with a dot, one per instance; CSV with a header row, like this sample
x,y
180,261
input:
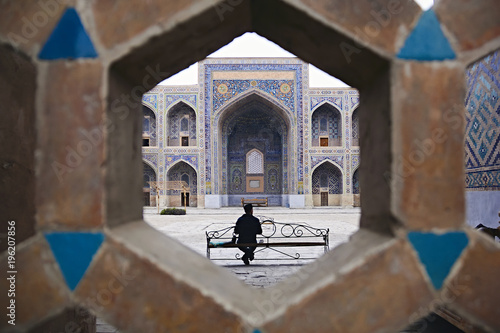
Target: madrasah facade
x,y
251,128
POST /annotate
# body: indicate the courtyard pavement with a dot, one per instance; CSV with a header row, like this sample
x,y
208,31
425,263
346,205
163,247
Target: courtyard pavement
x,y
190,230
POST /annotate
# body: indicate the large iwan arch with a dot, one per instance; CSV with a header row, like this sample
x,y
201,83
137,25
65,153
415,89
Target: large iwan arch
x,y
253,122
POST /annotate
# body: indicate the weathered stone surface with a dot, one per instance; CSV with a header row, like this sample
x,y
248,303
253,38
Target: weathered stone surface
x,y
70,149
382,24
472,23
40,289
133,17
428,145
134,294
17,136
75,319
27,24
379,296
474,288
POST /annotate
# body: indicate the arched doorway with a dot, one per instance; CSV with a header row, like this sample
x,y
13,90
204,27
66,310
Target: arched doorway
x,y
255,151
149,175
327,185
177,197
326,125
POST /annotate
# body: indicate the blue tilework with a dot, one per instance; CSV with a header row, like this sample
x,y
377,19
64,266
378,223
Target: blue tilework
x,y
68,40
151,100
482,148
151,157
171,99
427,42
316,100
172,159
236,87
74,252
438,253
210,102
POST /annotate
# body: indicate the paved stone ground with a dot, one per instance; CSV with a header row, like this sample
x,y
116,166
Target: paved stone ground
x,y
190,230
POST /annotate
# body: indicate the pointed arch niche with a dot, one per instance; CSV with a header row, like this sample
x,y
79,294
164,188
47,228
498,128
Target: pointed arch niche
x,y
327,185
149,175
182,171
326,126
149,125
355,128
255,151
181,125
356,189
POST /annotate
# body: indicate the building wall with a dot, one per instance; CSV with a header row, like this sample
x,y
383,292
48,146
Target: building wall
x,y
219,140
482,147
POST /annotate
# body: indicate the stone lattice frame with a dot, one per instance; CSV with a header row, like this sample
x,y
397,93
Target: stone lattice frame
x,y
140,280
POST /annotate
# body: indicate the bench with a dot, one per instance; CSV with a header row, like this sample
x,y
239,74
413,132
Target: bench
x,y
257,202
274,235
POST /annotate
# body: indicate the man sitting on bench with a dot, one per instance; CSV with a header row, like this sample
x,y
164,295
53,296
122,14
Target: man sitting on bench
x,y
247,228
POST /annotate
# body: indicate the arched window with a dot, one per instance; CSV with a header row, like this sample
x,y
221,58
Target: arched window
x,y
323,180
255,162
184,124
185,178
323,125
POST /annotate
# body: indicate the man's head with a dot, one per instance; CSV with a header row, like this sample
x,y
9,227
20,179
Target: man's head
x,y
248,209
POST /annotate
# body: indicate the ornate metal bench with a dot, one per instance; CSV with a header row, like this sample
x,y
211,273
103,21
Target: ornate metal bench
x,y
274,235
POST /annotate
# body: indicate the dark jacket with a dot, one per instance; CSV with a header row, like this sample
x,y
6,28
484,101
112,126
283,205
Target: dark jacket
x,y
247,227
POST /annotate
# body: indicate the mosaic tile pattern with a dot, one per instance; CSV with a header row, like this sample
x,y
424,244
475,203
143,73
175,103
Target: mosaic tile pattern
x,y
149,125
299,102
224,90
355,182
333,177
150,100
325,122
185,172
482,145
189,99
206,69
152,158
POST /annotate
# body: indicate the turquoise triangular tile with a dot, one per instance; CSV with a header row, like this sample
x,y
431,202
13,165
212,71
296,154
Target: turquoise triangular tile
x,y
68,39
73,252
427,42
438,253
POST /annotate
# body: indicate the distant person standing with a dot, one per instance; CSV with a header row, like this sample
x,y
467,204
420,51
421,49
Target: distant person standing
x,y
247,228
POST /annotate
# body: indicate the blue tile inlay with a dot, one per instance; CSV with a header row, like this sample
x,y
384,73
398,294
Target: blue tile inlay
x,y
427,42
68,40
438,253
73,252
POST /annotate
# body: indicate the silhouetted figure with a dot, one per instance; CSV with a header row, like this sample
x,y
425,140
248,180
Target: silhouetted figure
x,y
247,228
